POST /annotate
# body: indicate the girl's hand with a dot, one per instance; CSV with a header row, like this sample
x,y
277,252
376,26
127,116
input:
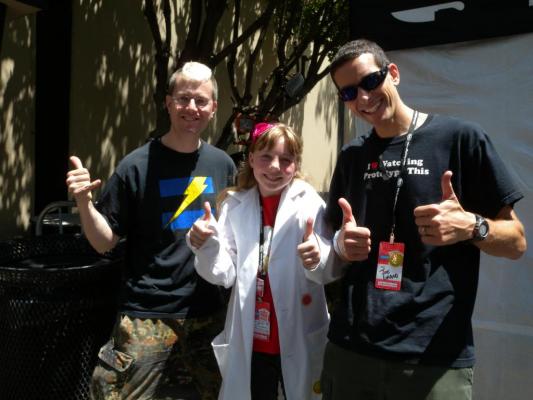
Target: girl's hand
x,y
308,250
200,231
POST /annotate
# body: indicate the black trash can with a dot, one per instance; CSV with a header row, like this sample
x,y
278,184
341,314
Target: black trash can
x,y
58,305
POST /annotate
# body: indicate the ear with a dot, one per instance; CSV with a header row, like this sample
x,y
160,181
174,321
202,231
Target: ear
x,y
169,102
394,73
251,159
214,110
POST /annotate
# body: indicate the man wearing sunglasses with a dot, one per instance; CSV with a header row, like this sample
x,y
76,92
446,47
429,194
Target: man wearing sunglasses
x,y
413,202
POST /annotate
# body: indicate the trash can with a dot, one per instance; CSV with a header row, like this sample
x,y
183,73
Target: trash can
x,y
58,304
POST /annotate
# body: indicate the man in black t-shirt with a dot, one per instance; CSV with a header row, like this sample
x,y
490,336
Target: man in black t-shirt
x,y
161,346
412,203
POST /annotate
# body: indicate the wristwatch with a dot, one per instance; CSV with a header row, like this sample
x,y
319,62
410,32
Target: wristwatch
x,y
481,229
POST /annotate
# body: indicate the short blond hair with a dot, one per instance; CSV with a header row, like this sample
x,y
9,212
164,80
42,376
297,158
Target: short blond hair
x,y
195,72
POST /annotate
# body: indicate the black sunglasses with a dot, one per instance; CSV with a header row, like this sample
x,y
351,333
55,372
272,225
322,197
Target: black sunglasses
x,y
369,82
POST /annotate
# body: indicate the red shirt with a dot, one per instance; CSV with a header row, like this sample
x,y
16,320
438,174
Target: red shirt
x,y
270,346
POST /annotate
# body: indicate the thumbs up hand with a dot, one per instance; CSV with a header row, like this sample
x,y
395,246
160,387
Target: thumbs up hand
x,y
79,181
200,231
353,241
309,250
447,187
446,222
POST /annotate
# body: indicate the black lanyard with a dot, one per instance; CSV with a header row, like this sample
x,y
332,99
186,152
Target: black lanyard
x,y
399,180
262,268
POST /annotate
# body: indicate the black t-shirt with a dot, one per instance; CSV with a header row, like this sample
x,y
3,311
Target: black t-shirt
x,y
152,199
429,319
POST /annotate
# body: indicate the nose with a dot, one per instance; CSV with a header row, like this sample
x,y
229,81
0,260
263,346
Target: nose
x,y
363,94
193,106
275,163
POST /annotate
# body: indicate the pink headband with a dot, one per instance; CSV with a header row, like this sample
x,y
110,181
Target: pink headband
x,y
259,129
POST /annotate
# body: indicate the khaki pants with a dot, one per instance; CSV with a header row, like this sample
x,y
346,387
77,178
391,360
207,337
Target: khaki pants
x,y
159,359
351,376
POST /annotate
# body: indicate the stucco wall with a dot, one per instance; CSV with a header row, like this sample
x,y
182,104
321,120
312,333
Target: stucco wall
x,y
111,100
112,82
17,89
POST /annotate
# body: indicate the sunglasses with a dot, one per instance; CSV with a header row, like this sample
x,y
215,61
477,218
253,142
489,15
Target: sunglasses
x,y
369,82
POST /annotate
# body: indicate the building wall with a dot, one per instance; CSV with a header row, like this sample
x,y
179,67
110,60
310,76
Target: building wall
x,y
111,106
318,127
111,101
17,113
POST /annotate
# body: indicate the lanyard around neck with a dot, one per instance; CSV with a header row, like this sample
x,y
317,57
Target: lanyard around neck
x,y
263,254
399,179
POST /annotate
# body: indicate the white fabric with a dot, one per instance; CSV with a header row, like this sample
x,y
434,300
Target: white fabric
x,y
230,258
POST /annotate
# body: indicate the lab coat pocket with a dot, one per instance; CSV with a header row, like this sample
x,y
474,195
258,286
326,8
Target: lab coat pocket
x,y
221,350
316,343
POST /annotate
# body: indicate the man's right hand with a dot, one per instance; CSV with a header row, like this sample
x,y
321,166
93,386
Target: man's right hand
x,y
79,181
353,241
95,226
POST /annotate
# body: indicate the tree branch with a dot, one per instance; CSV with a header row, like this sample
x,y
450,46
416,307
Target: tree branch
x,y
264,19
189,51
206,43
230,64
162,55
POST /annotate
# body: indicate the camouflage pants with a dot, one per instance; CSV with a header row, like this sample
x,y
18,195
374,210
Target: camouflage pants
x,y
159,359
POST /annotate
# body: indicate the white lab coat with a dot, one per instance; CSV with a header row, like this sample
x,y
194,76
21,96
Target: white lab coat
x,y
230,258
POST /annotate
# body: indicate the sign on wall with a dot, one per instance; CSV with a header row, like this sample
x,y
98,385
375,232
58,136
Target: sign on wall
x,y
401,24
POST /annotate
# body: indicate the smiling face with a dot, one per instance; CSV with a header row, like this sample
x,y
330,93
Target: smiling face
x,y
273,168
190,107
379,106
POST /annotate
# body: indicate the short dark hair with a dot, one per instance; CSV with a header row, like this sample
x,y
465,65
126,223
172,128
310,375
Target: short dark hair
x,y
352,50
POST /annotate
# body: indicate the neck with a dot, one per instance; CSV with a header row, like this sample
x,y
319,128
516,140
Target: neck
x,y
181,143
398,125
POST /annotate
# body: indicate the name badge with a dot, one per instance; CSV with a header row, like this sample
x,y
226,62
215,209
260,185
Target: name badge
x,y
262,321
390,266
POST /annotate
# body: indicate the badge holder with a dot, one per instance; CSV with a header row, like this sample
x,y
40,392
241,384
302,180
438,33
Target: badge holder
x,y
390,265
262,308
391,254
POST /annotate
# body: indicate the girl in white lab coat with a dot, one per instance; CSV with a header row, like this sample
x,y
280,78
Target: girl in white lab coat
x,y
263,244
